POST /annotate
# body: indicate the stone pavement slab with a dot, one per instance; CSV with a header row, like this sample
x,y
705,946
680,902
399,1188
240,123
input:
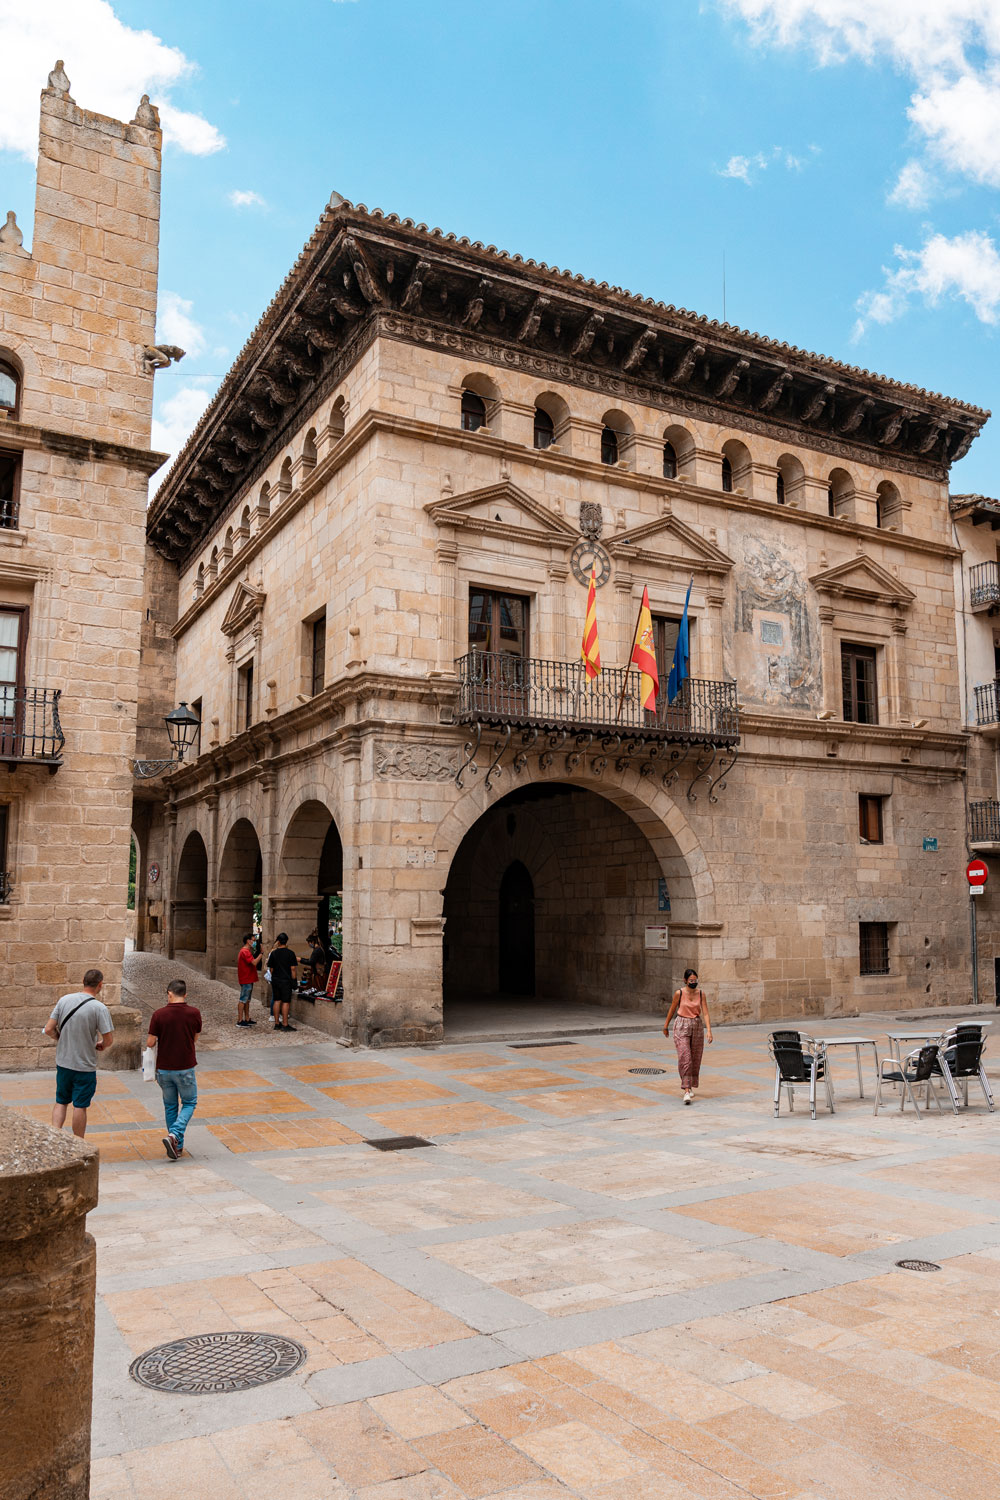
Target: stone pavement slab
x,y
580,1288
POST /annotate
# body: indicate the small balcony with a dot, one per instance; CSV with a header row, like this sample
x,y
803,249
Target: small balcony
x,y
984,587
531,693
30,731
984,826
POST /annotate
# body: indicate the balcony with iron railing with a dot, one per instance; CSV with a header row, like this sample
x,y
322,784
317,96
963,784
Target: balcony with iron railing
x,y
984,824
531,693
984,586
30,731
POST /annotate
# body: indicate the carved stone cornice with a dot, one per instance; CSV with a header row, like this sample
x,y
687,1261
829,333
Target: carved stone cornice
x,y
24,436
367,273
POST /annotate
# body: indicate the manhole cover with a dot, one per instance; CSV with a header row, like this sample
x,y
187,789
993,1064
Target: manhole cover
x,y
917,1265
647,1072
398,1143
209,1364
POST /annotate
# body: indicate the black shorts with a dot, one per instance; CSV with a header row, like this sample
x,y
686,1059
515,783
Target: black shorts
x,y
281,992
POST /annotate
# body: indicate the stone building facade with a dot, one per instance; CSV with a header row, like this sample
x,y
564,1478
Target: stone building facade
x,y
380,536
77,314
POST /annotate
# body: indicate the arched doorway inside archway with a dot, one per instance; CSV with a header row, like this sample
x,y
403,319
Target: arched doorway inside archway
x,y
240,884
309,887
552,904
190,940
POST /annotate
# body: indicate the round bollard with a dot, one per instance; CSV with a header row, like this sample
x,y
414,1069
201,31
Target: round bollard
x,y
48,1183
130,1034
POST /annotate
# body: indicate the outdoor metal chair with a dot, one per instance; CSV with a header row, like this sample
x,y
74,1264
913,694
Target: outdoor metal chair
x,y
962,1048
798,1059
918,1066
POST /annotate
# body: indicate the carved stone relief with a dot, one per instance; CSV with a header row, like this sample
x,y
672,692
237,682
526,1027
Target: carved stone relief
x,y
415,763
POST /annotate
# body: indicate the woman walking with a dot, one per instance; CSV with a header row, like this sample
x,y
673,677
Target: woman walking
x,y
690,1031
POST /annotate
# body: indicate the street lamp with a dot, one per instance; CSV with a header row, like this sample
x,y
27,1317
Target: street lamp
x,y
183,725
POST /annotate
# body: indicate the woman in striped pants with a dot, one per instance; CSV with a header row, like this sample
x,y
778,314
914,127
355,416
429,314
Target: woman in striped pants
x,y
692,1029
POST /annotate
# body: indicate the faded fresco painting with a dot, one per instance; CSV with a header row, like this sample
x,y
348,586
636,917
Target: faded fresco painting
x,y
775,640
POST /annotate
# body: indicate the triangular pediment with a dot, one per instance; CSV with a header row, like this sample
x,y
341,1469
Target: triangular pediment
x,y
503,510
861,578
670,541
246,603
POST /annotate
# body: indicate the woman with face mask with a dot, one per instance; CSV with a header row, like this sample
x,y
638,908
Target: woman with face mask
x,y
691,1030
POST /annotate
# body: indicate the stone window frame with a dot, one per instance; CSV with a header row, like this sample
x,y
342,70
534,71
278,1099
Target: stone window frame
x,y
11,365
868,609
886,943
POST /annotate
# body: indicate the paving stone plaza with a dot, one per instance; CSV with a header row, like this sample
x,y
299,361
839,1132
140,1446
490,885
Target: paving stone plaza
x,y
580,1288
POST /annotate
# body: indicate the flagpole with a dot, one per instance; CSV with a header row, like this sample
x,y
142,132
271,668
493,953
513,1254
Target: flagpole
x,y
635,635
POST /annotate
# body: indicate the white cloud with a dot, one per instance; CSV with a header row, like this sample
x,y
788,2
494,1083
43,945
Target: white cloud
x,y
246,198
914,187
949,48
175,325
177,417
110,65
966,266
747,168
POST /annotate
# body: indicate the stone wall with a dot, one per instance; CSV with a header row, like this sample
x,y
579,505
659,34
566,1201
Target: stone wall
x,y
75,314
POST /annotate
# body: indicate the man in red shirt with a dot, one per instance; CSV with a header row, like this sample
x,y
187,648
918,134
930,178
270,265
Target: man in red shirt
x,y
172,1030
247,969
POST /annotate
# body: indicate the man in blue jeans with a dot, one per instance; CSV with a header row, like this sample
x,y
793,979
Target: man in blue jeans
x,y
172,1030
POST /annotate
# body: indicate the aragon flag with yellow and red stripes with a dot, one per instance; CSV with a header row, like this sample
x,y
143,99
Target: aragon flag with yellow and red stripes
x,y
644,656
590,649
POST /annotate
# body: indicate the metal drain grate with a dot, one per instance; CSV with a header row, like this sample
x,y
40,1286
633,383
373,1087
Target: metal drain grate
x,y
530,1046
398,1142
211,1364
647,1072
917,1265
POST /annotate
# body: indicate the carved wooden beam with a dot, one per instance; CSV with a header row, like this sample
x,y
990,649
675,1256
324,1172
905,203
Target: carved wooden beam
x,y
299,363
639,349
415,286
244,438
889,428
321,336
476,305
816,402
280,391
362,271
775,391
732,377
930,437
586,336
262,414
959,441
856,414
532,318
685,365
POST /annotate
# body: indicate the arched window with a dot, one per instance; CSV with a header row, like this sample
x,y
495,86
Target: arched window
x,y
840,493
779,488
545,429
669,461
245,524
338,418
789,480
309,449
727,476
10,388
199,582
888,505
609,445
831,501
473,412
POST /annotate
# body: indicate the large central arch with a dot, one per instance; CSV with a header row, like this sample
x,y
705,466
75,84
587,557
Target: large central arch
x,y
310,874
191,902
595,874
240,884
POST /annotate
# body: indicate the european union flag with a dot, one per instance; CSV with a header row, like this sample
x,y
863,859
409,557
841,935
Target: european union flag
x,y
679,666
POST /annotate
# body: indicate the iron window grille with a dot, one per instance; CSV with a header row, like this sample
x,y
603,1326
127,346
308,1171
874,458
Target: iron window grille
x,y
860,684
988,702
984,822
874,946
29,726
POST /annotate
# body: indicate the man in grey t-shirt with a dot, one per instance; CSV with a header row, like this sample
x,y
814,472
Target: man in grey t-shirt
x,y
82,1023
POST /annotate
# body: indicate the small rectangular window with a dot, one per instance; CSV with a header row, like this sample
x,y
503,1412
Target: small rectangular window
x,y
245,698
318,673
870,819
874,947
860,684
10,490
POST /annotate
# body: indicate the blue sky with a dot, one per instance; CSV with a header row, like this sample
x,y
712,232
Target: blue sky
x,y
844,155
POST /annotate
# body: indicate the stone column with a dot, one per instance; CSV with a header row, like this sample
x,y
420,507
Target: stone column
x,y
48,1184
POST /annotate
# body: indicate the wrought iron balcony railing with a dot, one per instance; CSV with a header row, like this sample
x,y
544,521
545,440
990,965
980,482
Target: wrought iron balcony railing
x,y
497,688
29,727
984,822
988,702
984,585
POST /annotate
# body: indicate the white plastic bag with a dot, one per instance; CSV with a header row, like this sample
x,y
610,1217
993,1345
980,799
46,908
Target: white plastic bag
x,y
148,1064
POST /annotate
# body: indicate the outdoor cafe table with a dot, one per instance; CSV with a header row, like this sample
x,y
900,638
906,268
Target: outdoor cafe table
x,y
896,1038
857,1042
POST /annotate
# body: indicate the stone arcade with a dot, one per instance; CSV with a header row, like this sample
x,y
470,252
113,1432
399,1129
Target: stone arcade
x,y
368,569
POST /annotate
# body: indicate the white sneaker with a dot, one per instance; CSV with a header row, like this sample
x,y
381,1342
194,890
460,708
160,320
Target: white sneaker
x,y
688,1097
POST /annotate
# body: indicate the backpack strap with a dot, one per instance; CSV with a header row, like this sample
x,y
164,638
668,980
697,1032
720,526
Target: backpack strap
x,y
60,1027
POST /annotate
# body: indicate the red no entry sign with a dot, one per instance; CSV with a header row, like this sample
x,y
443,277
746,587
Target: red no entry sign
x,y
976,872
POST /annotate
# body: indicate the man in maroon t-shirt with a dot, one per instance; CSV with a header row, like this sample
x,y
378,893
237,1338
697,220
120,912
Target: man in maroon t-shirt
x,y
172,1030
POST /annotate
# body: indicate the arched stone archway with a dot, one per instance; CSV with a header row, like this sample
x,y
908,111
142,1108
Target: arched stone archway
x,y
239,885
310,874
600,874
190,914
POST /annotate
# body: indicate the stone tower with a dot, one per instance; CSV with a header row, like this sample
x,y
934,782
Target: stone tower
x,y
77,316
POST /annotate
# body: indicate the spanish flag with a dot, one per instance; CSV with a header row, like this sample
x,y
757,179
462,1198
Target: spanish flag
x,y
644,656
590,649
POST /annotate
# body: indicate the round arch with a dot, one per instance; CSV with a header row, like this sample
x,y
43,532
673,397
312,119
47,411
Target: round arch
x,y
309,876
190,924
240,883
